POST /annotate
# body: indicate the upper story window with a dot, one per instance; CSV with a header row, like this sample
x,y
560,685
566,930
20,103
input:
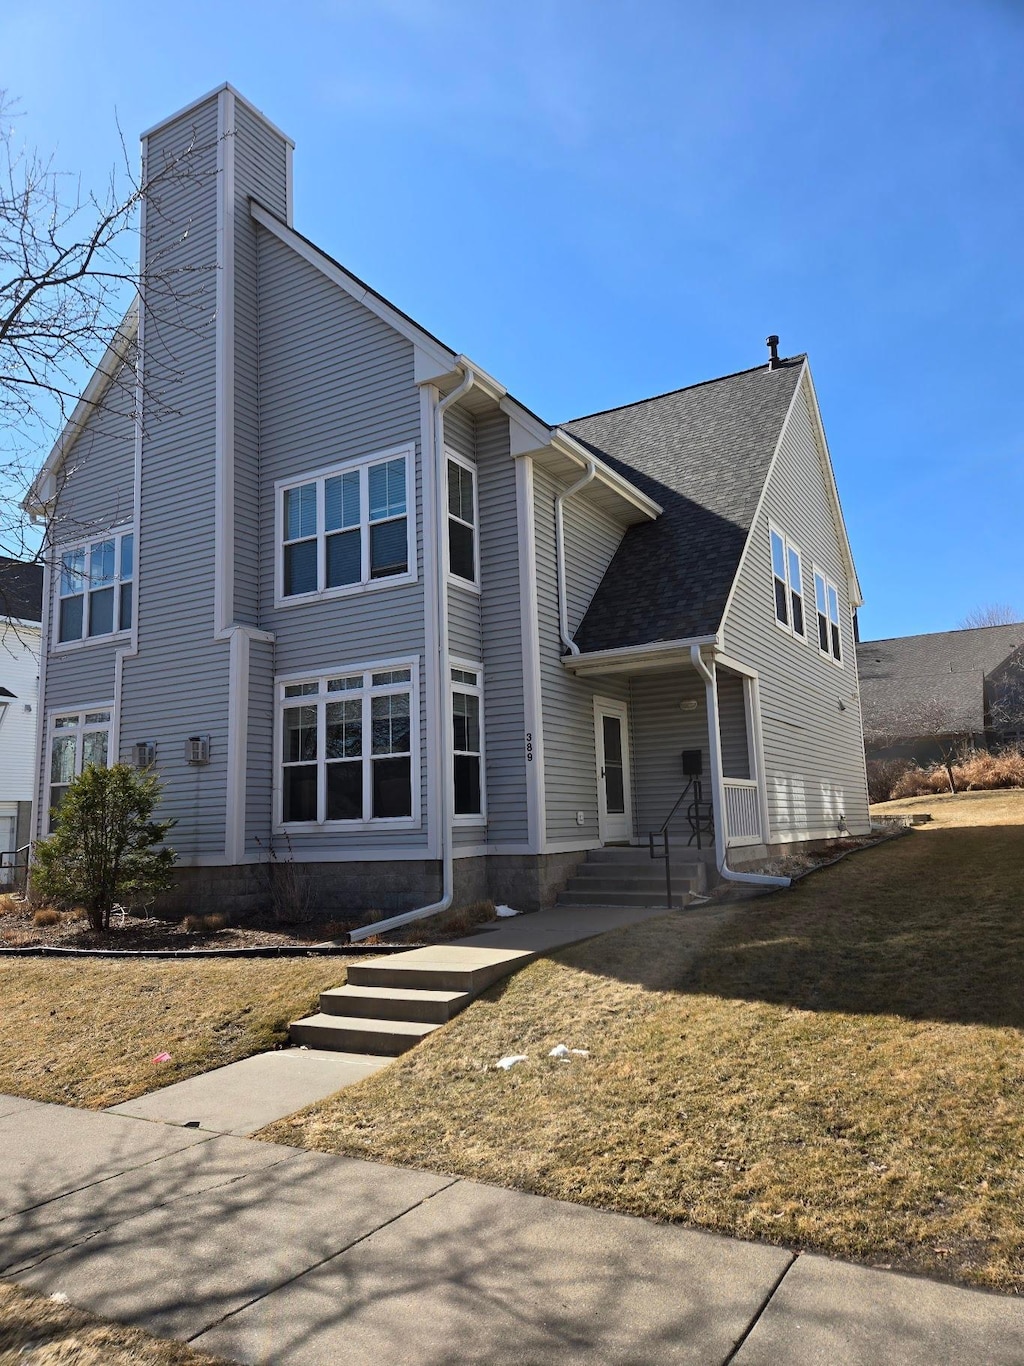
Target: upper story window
x,y
95,588
77,740
826,602
348,746
462,520
467,742
788,579
347,529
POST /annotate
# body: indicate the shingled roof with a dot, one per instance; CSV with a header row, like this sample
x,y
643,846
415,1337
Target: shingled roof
x,y
21,590
703,453
931,684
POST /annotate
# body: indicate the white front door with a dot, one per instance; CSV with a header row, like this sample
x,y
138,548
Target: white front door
x,y
611,737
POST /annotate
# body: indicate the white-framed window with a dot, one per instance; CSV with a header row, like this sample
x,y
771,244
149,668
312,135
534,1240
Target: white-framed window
x,y
468,743
788,583
348,746
826,603
346,529
78,739
463,517
95,588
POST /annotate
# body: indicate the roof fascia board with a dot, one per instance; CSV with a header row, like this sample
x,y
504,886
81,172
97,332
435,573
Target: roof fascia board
x,y
95,391
636,656
435,358
568,445
755,520
204,99
856,596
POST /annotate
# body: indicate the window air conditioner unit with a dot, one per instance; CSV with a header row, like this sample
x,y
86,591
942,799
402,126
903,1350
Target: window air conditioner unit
x,y
197,749
144,754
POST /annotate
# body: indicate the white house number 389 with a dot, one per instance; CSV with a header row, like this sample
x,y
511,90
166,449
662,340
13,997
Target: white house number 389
x,y
529,746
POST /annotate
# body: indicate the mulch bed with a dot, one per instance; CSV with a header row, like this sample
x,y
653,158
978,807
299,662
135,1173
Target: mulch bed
x,y
18,930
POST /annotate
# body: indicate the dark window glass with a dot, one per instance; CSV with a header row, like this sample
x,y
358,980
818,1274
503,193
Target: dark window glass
x,y
345,791
300,568
390,724
344,729
127,554
101,612
460,550
823,633
460,491
835,642
780,602
344,559
389,549
299,734
798,613
71,618
467,784
126,606
300,792
392,787
614,785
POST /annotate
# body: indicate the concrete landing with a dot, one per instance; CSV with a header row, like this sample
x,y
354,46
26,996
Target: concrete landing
x,y
556,928
246,1095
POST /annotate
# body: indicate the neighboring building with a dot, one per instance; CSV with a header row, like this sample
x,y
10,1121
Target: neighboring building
x,y
362,606
21,599
924,696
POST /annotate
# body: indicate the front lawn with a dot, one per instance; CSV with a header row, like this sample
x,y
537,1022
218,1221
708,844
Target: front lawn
x,y
86,1031
838,1067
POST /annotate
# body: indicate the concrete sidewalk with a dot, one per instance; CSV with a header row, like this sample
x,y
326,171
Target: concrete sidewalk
x,y
268,1254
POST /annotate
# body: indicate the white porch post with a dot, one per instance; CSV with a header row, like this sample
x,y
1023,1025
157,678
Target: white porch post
x,y
755,747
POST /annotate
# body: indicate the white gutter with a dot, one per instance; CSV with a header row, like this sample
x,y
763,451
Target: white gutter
x,y
563,604
446,774
718,783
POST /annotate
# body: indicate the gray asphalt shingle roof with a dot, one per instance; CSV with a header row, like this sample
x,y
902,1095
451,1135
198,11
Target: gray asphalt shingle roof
x,y
703,453
931,684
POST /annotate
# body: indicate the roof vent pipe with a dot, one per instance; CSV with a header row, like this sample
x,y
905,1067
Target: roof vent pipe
x,y
772,344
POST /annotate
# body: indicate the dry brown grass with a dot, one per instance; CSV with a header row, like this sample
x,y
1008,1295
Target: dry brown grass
x,y
839,1067
45,1332
46,915
204,924
977,771
85,1032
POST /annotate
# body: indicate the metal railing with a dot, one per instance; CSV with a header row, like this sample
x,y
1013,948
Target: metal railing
x,y
700,816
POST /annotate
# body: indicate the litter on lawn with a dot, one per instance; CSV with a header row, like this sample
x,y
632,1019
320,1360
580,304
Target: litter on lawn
x,y
162,1057
510,1061
503,912
567,1054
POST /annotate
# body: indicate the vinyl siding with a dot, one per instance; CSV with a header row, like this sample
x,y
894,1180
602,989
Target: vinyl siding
x,y
810,709
178,684
591,539
661,730
567,702
19,674
732,726
336,383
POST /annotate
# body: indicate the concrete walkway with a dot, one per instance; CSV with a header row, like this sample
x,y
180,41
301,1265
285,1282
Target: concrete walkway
x,y
265,1254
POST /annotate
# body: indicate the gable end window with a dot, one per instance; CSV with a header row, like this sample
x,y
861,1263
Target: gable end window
x,y
462,519
346,529
94,588
347,746
788,583
826,602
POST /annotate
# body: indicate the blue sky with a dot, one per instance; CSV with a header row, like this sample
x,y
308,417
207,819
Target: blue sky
x,y
601,201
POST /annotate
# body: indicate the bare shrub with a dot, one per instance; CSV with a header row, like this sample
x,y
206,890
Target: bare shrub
x,y
290,888
974,771
883,775
204,924
920,782
456,921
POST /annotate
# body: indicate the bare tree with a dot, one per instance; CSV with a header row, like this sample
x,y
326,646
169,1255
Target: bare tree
x,y
989,614
69,290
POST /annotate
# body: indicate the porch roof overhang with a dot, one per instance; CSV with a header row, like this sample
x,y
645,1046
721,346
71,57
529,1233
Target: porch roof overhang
x,y
662,654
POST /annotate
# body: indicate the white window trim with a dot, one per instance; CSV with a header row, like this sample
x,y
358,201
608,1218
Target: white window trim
x,y
827,654
58,646
80,729
281,681
457,579
281,486
469,818
788,545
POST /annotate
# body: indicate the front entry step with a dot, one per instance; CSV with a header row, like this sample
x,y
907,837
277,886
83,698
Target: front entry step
x,y
628,876
390,1004
593,896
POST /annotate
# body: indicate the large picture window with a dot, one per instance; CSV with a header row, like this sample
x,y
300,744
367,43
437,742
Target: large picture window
x,y
462,520
467,742
95,588
788,581
348,741
77,741
347,528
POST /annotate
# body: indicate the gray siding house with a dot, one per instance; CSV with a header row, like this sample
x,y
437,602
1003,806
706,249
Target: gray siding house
x,y
366,612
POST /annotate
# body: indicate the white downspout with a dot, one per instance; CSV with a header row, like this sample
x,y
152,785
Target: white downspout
x,y
563,603
443,720
718,784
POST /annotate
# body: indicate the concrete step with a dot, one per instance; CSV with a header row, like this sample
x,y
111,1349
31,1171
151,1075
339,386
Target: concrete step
x,y
592,897
390,1003
645,867
352,1034
683,856
615,879
442,968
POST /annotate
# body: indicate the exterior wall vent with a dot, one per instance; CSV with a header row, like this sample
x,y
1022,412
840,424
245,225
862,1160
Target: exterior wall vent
x,y
197,749
144,754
